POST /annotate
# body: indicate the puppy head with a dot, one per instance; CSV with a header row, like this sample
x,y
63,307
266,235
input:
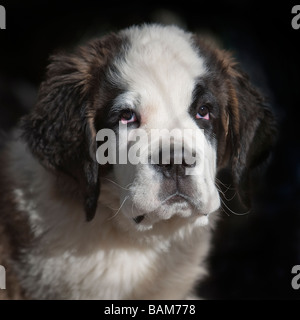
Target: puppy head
x,y
175,81
150,78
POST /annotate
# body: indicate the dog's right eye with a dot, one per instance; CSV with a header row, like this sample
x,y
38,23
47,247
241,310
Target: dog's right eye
x,y
203,113
128,116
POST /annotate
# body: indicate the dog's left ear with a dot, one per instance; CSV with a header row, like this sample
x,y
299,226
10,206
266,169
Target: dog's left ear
x,y
60,130
252,130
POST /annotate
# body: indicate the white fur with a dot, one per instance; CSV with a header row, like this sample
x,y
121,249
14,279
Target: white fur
x,y
160,70
73,259
111,257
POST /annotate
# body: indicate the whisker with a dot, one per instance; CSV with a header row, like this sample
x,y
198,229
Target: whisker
x,y
111,208
125,188
231,197
235,213
219,189
228,187
223,193
130,184
118,209
225,211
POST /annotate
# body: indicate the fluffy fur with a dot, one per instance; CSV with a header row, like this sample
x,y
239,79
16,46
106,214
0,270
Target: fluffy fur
x,y
73,229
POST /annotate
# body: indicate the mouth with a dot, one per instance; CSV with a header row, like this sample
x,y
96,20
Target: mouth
x,y
174,199
139,219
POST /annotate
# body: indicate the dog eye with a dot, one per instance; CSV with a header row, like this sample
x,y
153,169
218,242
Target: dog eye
x,y
203,113
128,116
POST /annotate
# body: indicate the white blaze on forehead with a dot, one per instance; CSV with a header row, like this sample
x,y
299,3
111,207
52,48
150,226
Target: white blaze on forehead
x,y
161,66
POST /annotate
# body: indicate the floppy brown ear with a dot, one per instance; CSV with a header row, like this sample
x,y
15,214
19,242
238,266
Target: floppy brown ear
x,y
253,131
60,130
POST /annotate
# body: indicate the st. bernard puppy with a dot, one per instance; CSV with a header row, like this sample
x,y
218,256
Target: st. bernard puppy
x,y
71,228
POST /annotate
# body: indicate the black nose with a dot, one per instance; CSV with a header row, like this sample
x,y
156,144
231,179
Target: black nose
x,y
173,164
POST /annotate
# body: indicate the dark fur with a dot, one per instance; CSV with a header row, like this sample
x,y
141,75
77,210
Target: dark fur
x,y
60,130
245,130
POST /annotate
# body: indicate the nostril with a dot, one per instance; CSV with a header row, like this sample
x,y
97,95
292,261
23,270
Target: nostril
x,y
173,163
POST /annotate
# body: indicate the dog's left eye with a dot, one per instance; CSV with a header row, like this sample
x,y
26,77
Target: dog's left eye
x,y
203,113
128,116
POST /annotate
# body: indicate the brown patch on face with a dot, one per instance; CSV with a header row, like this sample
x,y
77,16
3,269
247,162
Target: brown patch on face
x,y
230,116
246,129
219,64
60,130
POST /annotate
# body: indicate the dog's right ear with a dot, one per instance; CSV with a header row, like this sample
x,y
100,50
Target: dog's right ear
x,y
60,130
253,132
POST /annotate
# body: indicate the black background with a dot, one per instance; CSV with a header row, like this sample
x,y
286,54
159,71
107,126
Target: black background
x,y
252,254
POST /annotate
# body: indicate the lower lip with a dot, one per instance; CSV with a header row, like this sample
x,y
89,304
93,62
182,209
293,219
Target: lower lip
x,y
176,199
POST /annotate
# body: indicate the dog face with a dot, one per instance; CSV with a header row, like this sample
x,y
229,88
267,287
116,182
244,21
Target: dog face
x,y
160,73
151,78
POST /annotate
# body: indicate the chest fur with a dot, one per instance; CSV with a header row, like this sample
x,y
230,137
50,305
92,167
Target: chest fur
x,y
112,273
